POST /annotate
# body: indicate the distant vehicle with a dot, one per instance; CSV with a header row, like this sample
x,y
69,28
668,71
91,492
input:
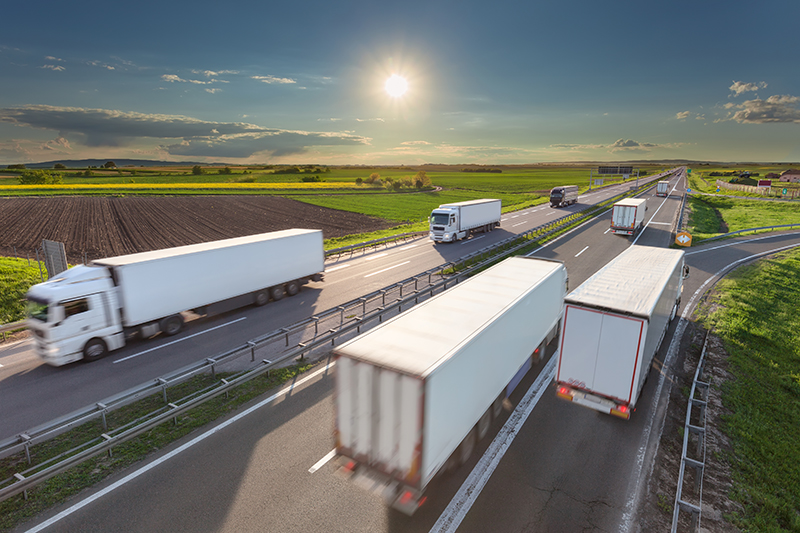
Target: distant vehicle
x,y
89,310
662,188
562,196
452,222
627,216
613,325
414,394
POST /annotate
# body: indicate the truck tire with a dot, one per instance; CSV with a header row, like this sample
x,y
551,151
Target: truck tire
x,y
292,288
674,312
95,349
276,292
484,423
261,298
171,325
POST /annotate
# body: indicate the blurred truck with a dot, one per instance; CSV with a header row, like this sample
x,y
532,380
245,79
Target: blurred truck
x,y
452,222
414,394
627,216
89,310
613,325
564,195
662,188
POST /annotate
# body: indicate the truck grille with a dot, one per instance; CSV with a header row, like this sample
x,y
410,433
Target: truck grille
x,y
438,228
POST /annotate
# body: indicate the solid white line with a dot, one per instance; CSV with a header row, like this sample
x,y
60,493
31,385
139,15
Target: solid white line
x,y
337,267
734,243
461,503
375,256
579,253
385,269
606,231
406,247
319,464
472,240
179,340
519,224
170,455
662,223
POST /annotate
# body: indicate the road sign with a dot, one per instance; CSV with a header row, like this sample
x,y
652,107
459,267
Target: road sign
x,y
688,190
683,238
689,170
717,189
785,190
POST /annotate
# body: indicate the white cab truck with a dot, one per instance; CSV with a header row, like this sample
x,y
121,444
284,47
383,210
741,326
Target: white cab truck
x,y
563,196
662,188
452,222
89,310
613,325
414,394
627,216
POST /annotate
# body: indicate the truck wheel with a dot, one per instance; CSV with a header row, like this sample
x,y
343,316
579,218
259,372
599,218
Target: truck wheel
x,y
171,325
95,349
276,293
292,288
261,298
484,423
466,447
674,312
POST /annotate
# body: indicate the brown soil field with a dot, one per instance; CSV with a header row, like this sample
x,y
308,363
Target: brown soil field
x,y
110,226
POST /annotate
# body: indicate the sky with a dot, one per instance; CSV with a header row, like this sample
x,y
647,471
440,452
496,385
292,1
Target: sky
x,y
503,82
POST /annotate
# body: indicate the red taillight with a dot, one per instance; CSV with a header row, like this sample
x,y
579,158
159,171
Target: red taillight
x,y
405,498
622,408
563,390
351,465
421,501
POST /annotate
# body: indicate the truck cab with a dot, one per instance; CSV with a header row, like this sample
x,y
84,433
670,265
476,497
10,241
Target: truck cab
x,y
75,315
444,224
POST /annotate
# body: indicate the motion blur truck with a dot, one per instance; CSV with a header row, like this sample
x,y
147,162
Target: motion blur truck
x,y
564,195
452,222
88,310
627,216
662,188
414,394
613,325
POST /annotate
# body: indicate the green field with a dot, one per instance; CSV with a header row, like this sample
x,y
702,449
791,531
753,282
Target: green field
x,y
711,216
16,277
755,313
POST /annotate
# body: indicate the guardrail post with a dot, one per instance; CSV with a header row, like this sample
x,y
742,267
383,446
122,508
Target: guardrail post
x,y
341,316
163,388
20,477
252,346
213,364
104,410
27,442
286,331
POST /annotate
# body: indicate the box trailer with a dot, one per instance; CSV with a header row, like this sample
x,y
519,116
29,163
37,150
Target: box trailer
x,y
89,310
627,216
413,394
613,325
452,222
662,188
564,195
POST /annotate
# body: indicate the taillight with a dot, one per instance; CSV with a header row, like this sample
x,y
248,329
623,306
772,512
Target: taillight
x,y
563,390
622,408
406,497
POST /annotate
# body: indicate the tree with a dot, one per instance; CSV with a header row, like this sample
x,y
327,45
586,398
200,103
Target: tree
x,y
59,166
197,170
359,181
225,170
110,164
16,167
88,173
373,178
421,180
39,177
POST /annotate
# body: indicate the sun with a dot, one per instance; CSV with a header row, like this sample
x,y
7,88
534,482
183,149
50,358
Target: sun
x,y
396,86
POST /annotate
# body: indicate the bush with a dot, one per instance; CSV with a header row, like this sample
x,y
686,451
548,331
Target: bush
x,y
310,179
40,177
197,170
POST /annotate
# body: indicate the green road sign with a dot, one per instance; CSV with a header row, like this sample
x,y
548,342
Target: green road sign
x,y
785,191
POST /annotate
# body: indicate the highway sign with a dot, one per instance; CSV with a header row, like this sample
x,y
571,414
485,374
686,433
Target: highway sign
x,y
785,190
683,238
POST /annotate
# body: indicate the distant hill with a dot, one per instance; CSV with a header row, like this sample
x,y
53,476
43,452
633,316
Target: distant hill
x,y
84,163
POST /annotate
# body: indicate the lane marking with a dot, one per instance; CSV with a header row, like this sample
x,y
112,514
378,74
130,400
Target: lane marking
x,y
406,247
384,254
734,243
461,503
337,267
319,464
170,455
579,253
385,269
662,223
179,340
606,231
472,240
519,224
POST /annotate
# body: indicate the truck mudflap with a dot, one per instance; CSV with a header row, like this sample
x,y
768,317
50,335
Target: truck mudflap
x,y
593,401
398,495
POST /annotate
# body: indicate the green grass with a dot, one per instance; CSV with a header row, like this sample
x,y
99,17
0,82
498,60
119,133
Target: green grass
x,y
711,216
758,320
16,277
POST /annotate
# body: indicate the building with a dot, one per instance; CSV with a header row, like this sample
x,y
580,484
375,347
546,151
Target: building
x,y
790,175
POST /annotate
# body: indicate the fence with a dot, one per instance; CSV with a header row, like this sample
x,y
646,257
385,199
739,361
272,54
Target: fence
x,y
791,193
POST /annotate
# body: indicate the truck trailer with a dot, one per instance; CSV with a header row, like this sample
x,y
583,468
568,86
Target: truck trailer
x,y
563,196
662,188
627,216
452,222
414,394
613,325
89,310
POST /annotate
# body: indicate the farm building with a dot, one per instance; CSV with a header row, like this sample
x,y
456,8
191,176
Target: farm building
x,y
790,175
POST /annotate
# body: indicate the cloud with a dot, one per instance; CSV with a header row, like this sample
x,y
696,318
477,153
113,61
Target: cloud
x,y
212,91
620,145
214,73
100,64
378,119
173,78
51,58
53,67
683,114
111,128
778,108
273,79
739,87
415,143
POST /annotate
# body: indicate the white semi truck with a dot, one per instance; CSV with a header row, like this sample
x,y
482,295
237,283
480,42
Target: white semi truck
x,y
89,310
613,325
662,188
563,195
414,394
627,216
452,222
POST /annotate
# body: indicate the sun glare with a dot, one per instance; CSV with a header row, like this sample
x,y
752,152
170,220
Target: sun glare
x,y
396,86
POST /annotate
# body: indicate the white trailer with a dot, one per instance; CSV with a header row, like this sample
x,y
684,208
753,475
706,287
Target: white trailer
x,y
89,310
627,216
662,188
415,393
613,325
564,195
452,222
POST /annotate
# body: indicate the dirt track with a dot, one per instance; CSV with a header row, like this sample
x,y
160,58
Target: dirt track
x,y
110,226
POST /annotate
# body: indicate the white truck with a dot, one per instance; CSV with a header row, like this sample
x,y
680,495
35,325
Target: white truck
x,y
662,188
89,310
613,325
563,195
452,222
627,216
414,394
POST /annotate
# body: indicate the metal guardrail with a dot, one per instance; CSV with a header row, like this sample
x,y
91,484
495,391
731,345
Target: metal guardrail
x,y
11,326
273,349
698,462
366,245
788,226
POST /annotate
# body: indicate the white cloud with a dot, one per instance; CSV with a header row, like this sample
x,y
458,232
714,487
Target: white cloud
x,y
212,91
415,143
683,114
739,87
54,67
777,108
273,79
51,58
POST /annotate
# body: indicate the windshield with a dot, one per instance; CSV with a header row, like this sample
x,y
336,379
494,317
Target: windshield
x,y
37,310
440,218
556,194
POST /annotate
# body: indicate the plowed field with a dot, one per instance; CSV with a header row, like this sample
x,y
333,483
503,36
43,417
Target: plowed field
x,y
110,226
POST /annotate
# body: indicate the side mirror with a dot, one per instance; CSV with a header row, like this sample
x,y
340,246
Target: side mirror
x,y
56,314
685,271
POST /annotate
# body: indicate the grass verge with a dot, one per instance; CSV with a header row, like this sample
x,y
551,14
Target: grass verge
x,y
16,277
754,311
712,216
